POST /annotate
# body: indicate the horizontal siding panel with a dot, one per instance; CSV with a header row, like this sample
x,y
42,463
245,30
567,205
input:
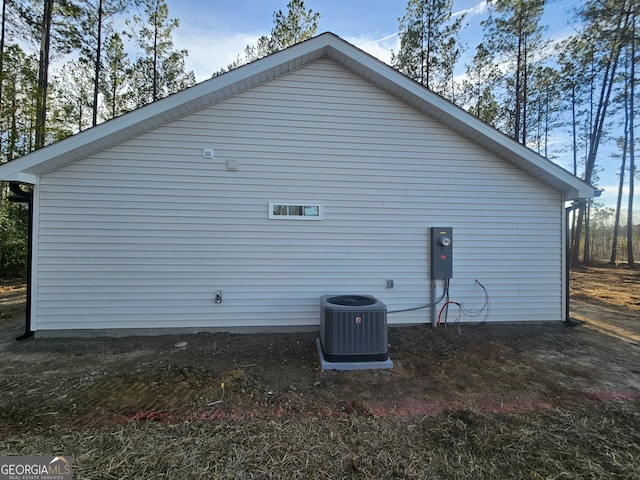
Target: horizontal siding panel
x,y
140,235
139,198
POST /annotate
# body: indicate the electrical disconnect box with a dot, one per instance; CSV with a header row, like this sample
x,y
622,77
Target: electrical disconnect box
x,y
441,252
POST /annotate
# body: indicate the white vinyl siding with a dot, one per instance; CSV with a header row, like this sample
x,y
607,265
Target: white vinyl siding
x,y
140,235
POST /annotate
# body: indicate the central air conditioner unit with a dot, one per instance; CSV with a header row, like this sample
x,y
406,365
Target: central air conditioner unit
x,y
353,328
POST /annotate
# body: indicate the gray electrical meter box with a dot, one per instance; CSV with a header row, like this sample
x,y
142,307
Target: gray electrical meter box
x,y
441,252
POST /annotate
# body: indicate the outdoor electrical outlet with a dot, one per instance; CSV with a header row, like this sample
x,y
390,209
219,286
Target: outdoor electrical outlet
x,y
389,283
218,296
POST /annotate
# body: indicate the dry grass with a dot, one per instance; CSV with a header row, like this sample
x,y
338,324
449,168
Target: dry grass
x,y
585,441
12,286
607,285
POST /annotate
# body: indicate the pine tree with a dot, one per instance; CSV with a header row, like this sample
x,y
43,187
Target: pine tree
x,y
595,52
96,24
18,111
73,93
294,26
513,36
478,86
3,37
116,78
159,71
545,100
52,25
429,49
632,162
43,73
623,143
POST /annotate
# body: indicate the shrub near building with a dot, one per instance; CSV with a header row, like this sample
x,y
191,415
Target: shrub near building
x,y
13,240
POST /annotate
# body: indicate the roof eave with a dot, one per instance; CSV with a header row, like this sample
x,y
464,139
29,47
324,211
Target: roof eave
x,y
239,80
136,122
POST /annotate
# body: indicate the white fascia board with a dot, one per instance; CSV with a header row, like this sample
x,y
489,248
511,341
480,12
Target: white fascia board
x,y
13,172
20,177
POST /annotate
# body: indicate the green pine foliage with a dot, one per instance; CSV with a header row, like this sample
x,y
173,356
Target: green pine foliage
x,y
159,71
296,25
429,49
14,220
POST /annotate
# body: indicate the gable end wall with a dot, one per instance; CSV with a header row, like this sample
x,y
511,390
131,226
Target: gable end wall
x,y
142,234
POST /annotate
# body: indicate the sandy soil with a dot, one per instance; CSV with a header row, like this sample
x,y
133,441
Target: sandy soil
x,y
617,288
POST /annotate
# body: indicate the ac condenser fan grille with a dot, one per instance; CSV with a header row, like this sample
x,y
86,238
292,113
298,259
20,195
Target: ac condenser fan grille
x,y
353,328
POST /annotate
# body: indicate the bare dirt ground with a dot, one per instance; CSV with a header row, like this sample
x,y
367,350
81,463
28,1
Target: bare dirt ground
x,y
469,401
608,286
607,299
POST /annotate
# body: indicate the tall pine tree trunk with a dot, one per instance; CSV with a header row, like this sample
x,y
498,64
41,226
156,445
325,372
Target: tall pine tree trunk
x,y
623,165
597,125
517,108
586,255
524,91
43,73
2,37
96,78
155,95
632,163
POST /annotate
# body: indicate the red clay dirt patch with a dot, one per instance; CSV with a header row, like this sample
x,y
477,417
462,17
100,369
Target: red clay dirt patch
x,y
479,367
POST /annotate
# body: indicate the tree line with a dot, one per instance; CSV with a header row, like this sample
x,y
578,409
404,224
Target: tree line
x,y
532,88
535,90
603,236
99,79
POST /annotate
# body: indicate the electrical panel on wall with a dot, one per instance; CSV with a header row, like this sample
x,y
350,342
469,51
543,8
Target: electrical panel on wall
x,y
441,252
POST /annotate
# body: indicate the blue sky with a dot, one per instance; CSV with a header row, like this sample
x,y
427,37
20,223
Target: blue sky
x,y
215,32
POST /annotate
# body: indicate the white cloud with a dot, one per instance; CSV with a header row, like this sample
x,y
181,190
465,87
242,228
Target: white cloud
x,y
379,47
208,52
610,192
478,9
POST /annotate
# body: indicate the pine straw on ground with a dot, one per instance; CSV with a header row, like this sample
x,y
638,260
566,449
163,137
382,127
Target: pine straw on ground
x,y
589,440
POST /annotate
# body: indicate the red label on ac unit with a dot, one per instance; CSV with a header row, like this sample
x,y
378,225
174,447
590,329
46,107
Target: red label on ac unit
x,y
358,320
